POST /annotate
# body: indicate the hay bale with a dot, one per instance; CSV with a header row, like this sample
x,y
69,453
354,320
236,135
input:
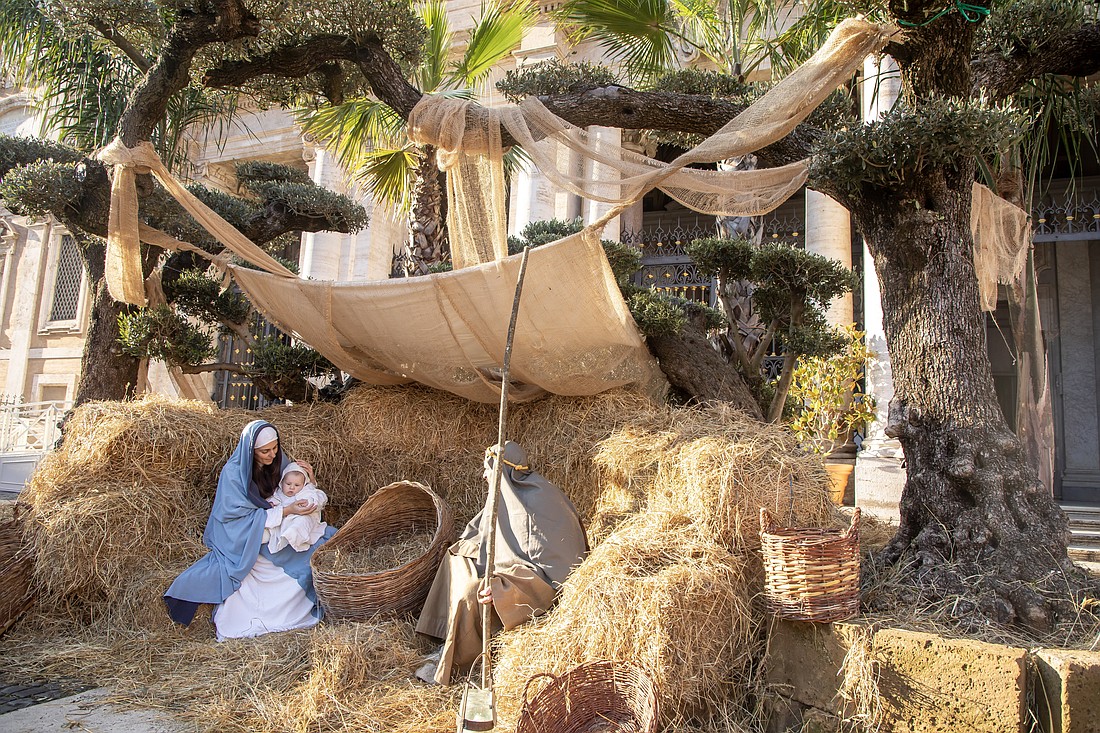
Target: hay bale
x,y
119,510
718,467
658,593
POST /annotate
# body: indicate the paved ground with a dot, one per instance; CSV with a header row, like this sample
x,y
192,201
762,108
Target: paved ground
x,y
86,712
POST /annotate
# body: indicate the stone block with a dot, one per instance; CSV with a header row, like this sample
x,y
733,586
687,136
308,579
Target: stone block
x,y
925,682
1067,691
931,683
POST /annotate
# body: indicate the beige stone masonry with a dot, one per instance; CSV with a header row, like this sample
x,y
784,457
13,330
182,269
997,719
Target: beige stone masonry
x,y
925,682
1067,698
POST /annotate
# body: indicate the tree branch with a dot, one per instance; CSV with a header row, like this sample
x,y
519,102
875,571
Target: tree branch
x,y
122,43
225,20
216,366
612,106
1075,53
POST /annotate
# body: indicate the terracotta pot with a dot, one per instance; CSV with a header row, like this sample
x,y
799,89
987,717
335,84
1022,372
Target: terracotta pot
x,y
840,475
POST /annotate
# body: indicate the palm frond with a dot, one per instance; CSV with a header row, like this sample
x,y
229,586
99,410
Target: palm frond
x,y
353,129
499,30
637,33
432,72
388,174
516,159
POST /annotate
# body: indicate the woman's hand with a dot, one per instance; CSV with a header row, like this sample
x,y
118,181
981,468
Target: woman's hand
x,y
300,507
308,468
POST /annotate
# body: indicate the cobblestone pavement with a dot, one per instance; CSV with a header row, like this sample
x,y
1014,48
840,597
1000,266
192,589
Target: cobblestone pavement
x,y
16,695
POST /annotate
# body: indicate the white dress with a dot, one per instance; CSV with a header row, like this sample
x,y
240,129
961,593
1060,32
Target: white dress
x,y
268,600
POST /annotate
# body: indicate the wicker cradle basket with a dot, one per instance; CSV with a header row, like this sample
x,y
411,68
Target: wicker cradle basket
x,y
610,697
810,574
391,511
16,574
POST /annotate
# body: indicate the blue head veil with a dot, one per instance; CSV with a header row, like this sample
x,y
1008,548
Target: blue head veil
x,y
234,535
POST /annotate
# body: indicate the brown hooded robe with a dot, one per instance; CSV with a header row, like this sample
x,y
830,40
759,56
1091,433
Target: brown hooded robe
x,y
539,541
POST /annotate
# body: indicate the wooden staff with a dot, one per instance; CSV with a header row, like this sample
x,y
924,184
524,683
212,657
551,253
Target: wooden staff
x,y
494,483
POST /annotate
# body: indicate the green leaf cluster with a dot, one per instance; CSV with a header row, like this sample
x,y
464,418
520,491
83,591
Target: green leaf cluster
x,y
709,83
624,259
17,151
825,392
286,22
1025,26
162,333
308,199
257,171
554,77
784,277
40,188
274,358
892,152
657,314
197,295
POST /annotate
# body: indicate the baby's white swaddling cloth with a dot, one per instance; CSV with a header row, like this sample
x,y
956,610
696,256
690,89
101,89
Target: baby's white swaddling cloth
x,y
299,531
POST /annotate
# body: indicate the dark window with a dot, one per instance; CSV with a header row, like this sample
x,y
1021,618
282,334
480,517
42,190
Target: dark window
x,y
66,290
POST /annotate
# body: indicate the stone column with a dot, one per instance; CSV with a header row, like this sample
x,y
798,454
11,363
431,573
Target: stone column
x,y
829,234
533,199
28,298
880,477
593,210
324,255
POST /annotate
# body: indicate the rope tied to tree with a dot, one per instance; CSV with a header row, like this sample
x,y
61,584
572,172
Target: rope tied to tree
x,y
125,231
969,12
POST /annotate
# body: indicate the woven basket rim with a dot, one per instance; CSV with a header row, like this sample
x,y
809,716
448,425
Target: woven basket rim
x,y
440,509
769,528
648,716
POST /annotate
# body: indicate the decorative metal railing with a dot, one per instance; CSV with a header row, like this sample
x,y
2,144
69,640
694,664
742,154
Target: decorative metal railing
x,y
666,266
29,427
1071,218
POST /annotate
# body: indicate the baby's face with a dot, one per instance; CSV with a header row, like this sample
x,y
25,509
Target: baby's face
x,y
293,483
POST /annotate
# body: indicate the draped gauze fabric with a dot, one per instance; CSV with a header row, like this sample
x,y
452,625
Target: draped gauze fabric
x,y
1002,240
574,336
463,132
123,265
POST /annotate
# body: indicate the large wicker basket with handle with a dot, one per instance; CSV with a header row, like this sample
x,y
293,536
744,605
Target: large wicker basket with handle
x,y
810,574
390,512
599,696
16,571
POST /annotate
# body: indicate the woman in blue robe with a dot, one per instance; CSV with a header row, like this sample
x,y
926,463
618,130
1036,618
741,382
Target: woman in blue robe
x,y
255,590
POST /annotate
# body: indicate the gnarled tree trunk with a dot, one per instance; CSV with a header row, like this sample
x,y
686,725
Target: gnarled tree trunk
x,y
976,522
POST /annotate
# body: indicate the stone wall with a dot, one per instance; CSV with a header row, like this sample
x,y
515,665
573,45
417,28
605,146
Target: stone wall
x,y
891,680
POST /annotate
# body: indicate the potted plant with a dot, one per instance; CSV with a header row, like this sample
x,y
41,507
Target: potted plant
x,y
829,404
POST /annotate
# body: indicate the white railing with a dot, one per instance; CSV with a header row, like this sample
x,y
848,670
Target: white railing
x,y
27,427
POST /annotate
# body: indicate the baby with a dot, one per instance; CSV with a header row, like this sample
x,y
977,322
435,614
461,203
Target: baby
x,y
298,531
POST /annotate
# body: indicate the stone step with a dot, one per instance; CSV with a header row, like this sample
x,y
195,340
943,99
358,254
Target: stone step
x,y
1084,537
1079,553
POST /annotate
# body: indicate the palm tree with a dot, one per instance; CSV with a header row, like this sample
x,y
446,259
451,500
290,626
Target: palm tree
x,y
734,37
83,80
369,137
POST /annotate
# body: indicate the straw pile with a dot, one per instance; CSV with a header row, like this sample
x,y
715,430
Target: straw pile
x,y
658,593
396,552
670,497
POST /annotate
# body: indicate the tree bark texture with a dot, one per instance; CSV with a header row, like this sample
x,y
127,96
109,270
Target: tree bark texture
x,y
427,224
106,372
699,372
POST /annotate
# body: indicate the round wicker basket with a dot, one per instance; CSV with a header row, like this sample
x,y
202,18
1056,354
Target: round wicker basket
x,y
390,512
16,570
599,696
810,574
